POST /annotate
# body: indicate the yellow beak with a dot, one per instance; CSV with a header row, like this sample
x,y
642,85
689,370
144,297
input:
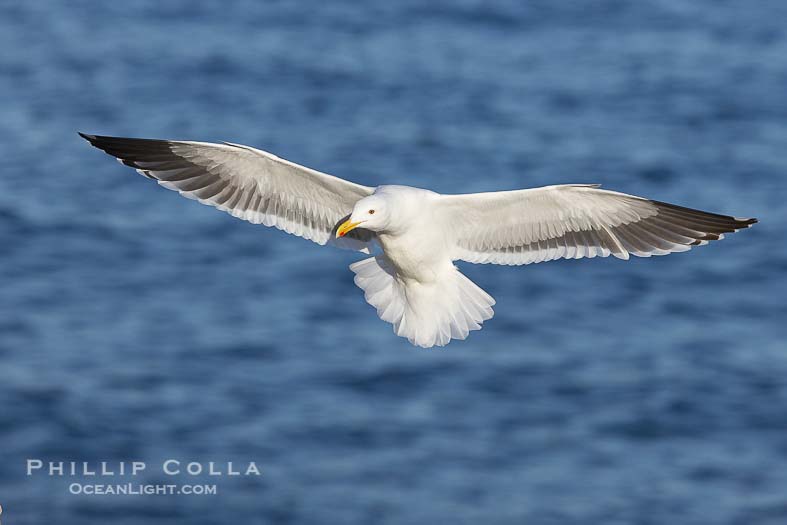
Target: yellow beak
x,y
346,227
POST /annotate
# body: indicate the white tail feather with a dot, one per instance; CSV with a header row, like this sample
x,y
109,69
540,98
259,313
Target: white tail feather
x,y
426,314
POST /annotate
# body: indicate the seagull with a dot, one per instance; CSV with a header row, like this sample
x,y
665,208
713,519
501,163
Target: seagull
x,y
415,235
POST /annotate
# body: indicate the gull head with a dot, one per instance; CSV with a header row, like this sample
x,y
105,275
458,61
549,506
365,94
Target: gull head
x,y
371,213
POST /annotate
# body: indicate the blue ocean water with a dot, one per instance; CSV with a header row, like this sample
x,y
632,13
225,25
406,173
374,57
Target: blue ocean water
x,y
138,326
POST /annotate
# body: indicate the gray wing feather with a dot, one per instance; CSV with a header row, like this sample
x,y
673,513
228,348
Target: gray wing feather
x,y
247,183
574,221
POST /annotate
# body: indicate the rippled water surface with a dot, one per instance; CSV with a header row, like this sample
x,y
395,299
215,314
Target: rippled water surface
x,y
137,325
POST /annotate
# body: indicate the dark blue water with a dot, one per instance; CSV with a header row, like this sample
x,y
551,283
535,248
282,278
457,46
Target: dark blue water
x,y
138,326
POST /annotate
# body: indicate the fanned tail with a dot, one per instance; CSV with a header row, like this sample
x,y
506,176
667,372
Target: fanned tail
x,y
426,314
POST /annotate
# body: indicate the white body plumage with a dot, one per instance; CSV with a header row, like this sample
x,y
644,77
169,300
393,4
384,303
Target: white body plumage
x,y
414,284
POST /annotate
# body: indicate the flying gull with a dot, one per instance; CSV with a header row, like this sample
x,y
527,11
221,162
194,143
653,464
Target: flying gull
x,y
415,235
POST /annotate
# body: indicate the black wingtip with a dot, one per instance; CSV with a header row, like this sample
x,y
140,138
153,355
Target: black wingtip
x,y
89,138
746,222
724,221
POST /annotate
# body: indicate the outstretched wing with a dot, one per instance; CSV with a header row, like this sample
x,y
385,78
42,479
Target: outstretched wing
x,y
573,221
247,183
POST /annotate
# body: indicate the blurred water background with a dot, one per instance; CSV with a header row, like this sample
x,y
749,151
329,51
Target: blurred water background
x,y
137,325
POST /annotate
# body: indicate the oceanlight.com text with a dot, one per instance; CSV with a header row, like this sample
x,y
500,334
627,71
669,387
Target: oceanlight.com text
x,y
137,489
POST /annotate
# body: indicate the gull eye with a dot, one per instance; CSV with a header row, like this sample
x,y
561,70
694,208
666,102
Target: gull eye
x,y
371,212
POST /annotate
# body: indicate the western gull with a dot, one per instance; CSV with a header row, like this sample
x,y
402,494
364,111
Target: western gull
x,y
414,235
